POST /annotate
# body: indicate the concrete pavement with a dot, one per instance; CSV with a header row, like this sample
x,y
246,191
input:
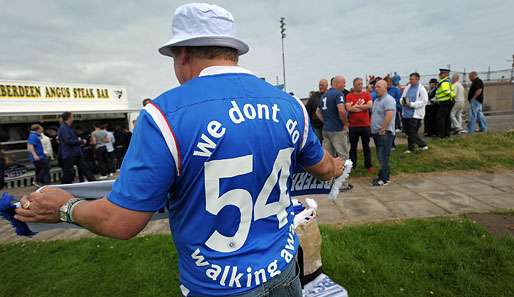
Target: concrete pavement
x,y
407,196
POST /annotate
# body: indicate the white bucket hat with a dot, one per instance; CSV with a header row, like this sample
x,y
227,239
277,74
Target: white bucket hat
x,y
202,24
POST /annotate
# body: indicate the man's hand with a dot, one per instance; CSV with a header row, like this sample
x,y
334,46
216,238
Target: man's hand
x,y
382,131
36,158
338,165
43,206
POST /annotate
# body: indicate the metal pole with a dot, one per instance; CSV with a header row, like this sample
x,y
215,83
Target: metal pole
x,y
283,33
283,64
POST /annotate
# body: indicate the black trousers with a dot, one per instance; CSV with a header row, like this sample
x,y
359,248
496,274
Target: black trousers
x,y
102,160
68,172
364,133
443,118
42,171
430,120
411,128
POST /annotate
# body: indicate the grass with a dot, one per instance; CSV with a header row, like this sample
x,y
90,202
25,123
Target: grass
x,y
436,257
488,152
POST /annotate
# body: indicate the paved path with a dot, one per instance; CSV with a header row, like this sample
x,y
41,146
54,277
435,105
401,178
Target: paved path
x,y
408,196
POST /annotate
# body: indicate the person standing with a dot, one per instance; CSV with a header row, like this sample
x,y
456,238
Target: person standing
x,y
312,105
111,156
414,100
476,101
383,131
70,151
47,146
358,105
99,139
458,106
444,96
332,113
429,123
395,92
218,198
38,157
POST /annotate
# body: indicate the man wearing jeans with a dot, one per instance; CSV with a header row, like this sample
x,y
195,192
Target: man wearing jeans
x,y
38,157
358,104
476,100
218,152
414,100
382,130
332,113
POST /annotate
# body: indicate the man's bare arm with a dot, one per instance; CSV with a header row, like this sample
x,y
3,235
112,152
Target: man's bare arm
x,y
351,108
387,119
320,115
31,149
328,168
342,114
477,93
100,216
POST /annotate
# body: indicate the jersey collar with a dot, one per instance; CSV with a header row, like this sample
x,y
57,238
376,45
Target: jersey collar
x,y
214,70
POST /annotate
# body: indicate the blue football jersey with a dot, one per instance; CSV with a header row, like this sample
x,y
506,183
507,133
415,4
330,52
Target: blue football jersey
x,y
219,152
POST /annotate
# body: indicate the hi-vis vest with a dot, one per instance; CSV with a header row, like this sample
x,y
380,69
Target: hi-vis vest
x,y
445,90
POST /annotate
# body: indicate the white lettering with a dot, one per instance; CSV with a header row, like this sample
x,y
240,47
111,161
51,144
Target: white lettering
x,y
249,111
286,255
248,277
275,109
273,269
263,111
262,273
214,129
199,258
213,272
234,278
291,128
235,111
204,147
224,276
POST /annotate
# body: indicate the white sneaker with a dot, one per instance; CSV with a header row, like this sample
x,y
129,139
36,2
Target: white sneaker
x,y
407,152
424,148
102,177
111,175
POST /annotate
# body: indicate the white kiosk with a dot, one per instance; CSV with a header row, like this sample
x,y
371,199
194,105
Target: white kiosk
x,y
23,103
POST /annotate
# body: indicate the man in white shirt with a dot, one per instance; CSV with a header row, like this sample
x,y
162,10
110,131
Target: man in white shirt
x,y
458,107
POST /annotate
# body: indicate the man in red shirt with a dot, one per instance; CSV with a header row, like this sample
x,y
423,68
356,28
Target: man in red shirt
x,y
358,105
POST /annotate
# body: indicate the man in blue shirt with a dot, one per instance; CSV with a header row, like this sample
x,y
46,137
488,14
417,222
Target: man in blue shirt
x,y
382,130
219,152
70,151
37,156
332,112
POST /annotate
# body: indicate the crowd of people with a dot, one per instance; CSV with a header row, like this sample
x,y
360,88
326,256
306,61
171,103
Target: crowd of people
x,y
98,152
341,118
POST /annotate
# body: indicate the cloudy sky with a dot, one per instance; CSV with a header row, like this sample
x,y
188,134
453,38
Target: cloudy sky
x,y
115,42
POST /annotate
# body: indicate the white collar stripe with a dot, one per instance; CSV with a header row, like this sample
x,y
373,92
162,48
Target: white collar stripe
x,y
214,70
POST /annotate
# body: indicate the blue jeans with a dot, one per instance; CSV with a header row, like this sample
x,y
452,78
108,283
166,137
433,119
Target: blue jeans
x,y
286,284
383,143
475,113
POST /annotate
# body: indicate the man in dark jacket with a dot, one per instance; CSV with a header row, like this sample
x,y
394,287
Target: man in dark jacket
x,y
312,105
70,151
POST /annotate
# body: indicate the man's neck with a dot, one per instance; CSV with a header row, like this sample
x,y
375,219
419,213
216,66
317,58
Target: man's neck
x,y
200,64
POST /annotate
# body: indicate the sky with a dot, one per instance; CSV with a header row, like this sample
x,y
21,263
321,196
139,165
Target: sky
x,y
116,42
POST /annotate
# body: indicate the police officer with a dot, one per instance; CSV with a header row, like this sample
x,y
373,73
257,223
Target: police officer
x,y
444,97
218,152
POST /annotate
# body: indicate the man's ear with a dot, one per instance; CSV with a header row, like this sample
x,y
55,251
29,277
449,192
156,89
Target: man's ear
x,y
184,57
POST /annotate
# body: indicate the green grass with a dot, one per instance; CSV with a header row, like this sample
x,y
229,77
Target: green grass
x,y
437,257
488,152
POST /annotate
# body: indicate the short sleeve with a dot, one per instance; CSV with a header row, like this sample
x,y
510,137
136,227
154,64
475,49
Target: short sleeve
x,y
367,97
480,84
389,104
148,171
312,152
340,98
32,139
